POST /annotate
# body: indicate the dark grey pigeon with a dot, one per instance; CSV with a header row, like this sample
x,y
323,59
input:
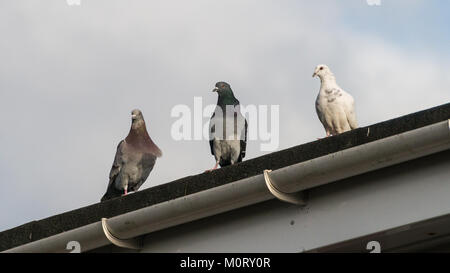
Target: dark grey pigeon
x,y
135,157
227,128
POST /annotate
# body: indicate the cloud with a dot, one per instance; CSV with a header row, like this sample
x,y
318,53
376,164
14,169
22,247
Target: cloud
x,y
69,77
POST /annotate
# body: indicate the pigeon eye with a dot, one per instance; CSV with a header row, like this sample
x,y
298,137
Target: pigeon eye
x,y
321,68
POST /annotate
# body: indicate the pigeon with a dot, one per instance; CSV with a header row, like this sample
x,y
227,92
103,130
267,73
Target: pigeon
x,y
334,106
135,157
227,128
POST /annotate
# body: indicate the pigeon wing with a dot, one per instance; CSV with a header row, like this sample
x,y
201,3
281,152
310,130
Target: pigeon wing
x,y
320,113
212,130
111,191
147,163
117,164
350,112
244,141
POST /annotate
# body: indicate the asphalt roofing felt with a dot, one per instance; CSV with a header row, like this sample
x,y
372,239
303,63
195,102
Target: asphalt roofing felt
x,y
53,225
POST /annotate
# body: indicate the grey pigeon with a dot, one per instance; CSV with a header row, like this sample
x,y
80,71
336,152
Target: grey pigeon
x,y
135,157
227,128
334,106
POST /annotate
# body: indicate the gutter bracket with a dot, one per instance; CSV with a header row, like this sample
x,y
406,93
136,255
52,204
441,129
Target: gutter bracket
x,y
296,198
132,243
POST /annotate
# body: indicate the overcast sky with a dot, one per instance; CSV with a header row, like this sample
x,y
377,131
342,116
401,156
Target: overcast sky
x,y
70,76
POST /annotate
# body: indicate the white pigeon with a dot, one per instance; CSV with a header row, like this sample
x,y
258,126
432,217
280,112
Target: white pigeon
x,y
334,106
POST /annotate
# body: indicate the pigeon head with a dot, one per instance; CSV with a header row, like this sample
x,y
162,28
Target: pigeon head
x,y
136,115
222,88
322,71
137,119
226,96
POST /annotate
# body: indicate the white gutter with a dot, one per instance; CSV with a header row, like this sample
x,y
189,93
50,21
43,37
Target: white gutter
x,y
305,175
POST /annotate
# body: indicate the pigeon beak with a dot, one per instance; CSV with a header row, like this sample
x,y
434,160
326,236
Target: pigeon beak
x,y
216,89
133,116
315,74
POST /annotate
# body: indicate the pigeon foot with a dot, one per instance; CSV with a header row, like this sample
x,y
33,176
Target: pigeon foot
x,y
215,167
